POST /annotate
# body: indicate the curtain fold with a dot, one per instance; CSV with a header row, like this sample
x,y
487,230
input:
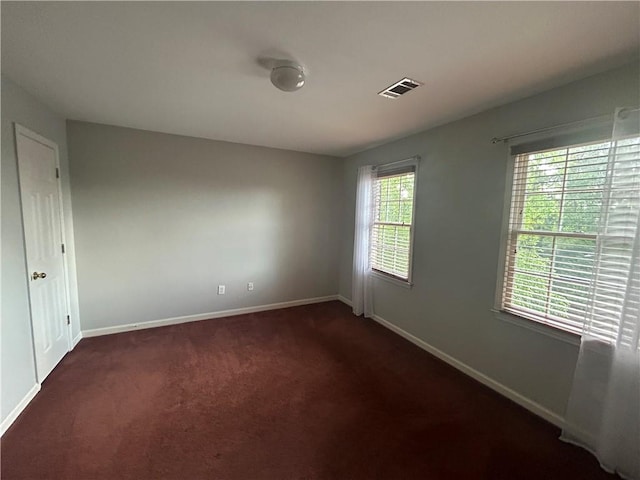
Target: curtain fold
x,y
361,297
603,413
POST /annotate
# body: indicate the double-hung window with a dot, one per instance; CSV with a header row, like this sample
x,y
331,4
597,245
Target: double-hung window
x,y
393,217
556,203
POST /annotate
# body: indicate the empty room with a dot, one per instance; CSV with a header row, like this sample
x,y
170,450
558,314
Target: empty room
x,y
320,240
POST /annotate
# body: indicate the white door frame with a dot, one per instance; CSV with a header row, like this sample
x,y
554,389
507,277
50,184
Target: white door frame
x,y
21,130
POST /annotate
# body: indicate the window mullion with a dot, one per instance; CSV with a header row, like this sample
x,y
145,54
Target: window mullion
x,y
395,249
550,276
564,189
559,227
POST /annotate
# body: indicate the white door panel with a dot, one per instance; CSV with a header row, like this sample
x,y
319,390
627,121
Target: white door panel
x,y
40,193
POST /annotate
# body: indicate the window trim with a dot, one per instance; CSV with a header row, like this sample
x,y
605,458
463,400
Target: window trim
x,y
387,277
389,170
535,326
517,317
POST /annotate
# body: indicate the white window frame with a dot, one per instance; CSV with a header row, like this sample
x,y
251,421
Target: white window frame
x,y
389,170
518,317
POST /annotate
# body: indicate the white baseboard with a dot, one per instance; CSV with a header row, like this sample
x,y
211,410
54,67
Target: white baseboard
x,y
75,341
345,300
7,422
203,316
505,391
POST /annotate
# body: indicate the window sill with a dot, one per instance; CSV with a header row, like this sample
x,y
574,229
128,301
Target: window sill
x,y
566,337
390,279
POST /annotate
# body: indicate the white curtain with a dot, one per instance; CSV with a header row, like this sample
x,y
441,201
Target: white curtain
x,y
361,294
603,413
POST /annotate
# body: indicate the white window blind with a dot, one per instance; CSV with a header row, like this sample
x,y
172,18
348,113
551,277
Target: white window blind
x,y
558,197
392,229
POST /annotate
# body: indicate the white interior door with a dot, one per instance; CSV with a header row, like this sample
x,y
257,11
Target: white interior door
x,y
41,209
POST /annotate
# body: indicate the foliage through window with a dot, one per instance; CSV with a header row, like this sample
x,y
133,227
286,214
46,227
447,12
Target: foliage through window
x,y
557,200
392,228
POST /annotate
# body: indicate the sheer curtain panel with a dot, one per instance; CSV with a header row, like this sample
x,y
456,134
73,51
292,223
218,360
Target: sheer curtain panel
x,y
361,292
603,413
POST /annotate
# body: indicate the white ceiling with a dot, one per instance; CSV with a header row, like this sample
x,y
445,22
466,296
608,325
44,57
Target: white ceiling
x,y
191,68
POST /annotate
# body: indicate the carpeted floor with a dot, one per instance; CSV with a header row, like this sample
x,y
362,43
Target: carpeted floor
x,y
302,393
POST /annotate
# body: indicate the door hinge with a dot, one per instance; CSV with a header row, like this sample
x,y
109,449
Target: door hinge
x,y
63,251
68,320
57,172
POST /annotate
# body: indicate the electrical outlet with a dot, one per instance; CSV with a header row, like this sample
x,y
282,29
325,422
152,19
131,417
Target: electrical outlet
x,y
250,286
221,289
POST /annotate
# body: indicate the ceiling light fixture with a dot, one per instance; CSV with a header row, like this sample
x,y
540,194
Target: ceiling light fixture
x,y
288,78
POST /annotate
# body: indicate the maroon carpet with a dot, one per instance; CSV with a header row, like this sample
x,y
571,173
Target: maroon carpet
x,y
302,393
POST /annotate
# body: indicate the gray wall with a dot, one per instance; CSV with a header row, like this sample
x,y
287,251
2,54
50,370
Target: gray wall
x,y
457,237
18,367
161,220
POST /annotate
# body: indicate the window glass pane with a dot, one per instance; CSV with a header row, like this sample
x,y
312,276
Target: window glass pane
x,y
393,212
587,166
407,188
406,211
529,291
541,211
571,274
533,254
531,272
581,211
394,188
574,259
545,171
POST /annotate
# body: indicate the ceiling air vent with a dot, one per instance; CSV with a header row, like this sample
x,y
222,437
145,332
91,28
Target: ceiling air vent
x,y
400,88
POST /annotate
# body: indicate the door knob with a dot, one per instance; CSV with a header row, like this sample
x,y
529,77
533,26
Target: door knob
x,y
36,275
